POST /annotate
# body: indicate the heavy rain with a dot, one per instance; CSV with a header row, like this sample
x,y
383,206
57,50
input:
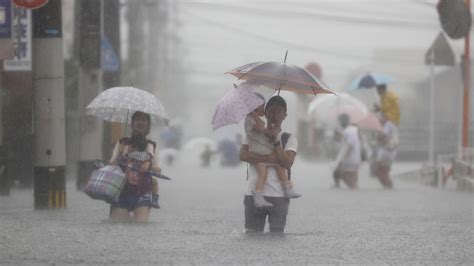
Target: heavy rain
x,y
156,132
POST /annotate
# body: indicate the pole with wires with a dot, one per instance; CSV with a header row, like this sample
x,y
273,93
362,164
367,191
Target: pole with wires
x,y
467,85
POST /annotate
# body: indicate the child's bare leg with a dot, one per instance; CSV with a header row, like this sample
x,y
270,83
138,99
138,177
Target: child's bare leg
x,y
286,183
258,198
154,193
262,176
282,176
154,185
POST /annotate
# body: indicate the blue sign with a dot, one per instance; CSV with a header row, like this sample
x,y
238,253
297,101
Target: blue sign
x,y
5,19
109,59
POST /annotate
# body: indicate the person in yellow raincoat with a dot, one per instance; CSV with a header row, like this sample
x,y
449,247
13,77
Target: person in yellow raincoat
x,y
388,104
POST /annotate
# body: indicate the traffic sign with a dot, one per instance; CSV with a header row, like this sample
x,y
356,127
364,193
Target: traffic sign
x,y
441,52
30,4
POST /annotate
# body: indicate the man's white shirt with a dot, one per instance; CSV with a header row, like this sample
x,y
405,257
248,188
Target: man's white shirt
x,y
273,187
350,139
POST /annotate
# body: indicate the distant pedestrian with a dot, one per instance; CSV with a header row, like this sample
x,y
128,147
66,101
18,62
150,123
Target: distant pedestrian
x,y
285,152
206,156
229,152
389,106
386,152
348,159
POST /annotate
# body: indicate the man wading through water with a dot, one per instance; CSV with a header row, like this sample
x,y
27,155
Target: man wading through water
x,y
285,152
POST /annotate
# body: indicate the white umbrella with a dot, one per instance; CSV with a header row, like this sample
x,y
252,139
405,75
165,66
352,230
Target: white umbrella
x,y
322,109
118,104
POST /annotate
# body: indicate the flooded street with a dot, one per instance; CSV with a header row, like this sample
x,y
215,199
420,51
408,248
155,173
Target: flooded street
x,y
144,85
201,222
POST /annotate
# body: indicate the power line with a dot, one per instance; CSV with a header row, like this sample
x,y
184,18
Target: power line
x,y
290,44
314,15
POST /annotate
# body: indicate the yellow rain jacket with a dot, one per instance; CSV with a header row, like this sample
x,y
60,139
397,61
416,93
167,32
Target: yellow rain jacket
x,y
389,107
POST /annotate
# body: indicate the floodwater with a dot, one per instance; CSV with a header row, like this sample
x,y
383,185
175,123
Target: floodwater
x,y
201,222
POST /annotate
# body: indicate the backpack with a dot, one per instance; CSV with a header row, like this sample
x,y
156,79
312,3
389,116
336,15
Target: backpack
x,y
284,140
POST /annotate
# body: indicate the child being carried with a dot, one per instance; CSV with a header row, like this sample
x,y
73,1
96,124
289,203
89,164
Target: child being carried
x,y
259,143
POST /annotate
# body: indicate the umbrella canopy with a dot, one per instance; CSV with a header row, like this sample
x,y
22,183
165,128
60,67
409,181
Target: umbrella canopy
x,y
355,113
281,76
325,108
358,116
236,104
370,121
369,80
118,104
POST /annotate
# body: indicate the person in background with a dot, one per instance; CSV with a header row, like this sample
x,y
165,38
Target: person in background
x,y
348,159
206,156
389,106
386,152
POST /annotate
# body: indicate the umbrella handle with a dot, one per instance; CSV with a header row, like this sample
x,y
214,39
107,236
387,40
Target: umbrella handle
x,y
281,83
125,126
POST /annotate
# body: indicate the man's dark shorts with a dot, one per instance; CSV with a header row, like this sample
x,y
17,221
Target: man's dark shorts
x,y
255,217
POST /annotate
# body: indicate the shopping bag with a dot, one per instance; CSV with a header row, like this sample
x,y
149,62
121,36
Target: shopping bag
x,y
106,183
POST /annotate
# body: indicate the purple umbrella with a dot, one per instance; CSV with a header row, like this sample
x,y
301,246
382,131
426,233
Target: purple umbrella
x,y
236,104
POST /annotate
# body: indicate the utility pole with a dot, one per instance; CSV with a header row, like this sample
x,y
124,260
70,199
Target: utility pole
x,y
49,123
135,66
4,180
467,85
6,51
111,66
90,85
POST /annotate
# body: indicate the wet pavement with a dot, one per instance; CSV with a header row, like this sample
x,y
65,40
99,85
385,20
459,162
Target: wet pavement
x,y
201,222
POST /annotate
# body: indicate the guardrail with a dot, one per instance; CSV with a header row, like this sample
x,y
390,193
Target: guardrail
x,y
459,167
456,166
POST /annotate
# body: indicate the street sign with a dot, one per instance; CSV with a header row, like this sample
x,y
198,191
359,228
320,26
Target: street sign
x,y
441,51
30,4
22,31
6,42
455,18
5,19
439,54
47,23
110,61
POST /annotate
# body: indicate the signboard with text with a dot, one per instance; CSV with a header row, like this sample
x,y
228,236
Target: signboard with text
x,y
6,42
22,49
5,18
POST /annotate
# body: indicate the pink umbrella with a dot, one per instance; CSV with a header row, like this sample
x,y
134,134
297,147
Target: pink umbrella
x,y
236,104
370,121
355,114
358,116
